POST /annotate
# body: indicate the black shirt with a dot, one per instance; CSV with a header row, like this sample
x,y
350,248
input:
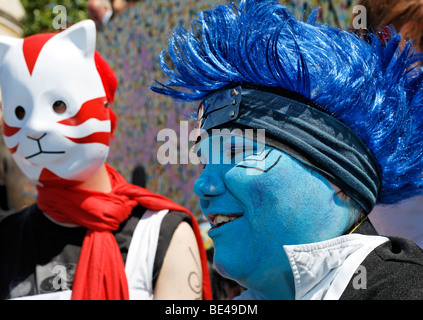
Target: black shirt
x,y
39,256
392,271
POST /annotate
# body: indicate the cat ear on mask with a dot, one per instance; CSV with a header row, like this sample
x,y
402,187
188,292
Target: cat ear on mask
x,y
82,35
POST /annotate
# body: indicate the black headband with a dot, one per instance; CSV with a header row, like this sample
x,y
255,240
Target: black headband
x,y
317,138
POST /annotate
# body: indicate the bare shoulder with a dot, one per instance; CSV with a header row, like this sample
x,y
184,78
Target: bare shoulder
x,y
181,274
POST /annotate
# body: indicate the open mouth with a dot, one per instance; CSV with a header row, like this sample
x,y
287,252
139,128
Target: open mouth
x,y
218,220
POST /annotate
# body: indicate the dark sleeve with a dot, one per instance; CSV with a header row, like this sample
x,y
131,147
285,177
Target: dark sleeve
x,y
17,261
393,271
167,229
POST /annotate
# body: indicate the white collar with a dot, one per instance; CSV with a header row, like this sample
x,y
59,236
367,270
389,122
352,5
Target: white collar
x,y
322,270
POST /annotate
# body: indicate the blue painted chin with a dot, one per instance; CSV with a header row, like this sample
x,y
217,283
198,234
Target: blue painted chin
x,y
257,204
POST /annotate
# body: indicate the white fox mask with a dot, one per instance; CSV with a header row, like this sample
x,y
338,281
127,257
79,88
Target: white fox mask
x,y
56,120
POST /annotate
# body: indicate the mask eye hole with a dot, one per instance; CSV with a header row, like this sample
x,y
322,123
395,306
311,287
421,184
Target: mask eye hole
x,y
20,112
59,107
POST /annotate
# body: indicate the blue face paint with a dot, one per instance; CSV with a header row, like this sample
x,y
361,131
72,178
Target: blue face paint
x,y
258,200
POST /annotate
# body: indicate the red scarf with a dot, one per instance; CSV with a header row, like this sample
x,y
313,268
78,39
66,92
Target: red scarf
x,y
100,273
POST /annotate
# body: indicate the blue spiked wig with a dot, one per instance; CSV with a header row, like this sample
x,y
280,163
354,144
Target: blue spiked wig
x,y
362,100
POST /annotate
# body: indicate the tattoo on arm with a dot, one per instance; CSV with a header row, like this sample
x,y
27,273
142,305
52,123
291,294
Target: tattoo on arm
x,y
194,278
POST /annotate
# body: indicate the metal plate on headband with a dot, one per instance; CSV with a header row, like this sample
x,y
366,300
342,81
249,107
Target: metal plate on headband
x,y
219,108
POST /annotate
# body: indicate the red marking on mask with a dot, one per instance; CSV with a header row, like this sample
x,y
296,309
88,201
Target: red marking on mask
x,y
32,47
92,109
98,137
108,77
50,179
13,150
110,84
9,131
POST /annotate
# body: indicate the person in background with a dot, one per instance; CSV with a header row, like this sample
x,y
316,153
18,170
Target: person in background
x,y
139,176
100,11
120,6
405,16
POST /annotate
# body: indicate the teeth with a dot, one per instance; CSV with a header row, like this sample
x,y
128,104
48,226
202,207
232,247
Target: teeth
x,y
220,219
